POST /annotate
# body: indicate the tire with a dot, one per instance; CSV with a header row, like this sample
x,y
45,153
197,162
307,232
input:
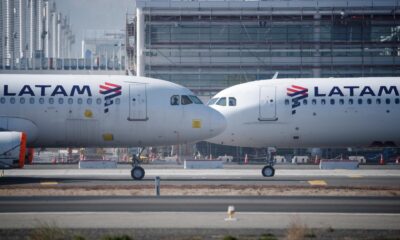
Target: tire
x,y
268,171
137,173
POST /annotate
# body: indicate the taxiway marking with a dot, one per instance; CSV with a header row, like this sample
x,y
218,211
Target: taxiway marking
x,y
48,183
317,183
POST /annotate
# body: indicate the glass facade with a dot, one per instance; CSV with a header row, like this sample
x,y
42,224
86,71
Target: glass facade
x,y
210,45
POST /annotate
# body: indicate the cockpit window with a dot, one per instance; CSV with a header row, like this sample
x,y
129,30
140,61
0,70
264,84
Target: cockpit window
x,y
232,101
175,100
195,99
185,100
222,101
212,101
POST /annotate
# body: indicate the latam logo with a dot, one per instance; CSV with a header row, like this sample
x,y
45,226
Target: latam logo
x,y
110,91
297,93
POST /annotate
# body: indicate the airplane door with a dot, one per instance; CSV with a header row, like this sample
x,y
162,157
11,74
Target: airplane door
x,y
267,103
137,102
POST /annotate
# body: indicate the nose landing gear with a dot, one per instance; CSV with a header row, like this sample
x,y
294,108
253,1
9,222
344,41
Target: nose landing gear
x,y
269,170
137,172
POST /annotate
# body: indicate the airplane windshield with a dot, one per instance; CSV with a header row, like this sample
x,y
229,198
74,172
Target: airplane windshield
x,y
185,100
222,101
212,101
195,99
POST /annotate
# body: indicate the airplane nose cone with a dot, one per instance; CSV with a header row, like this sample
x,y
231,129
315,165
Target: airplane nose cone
x,y
218,123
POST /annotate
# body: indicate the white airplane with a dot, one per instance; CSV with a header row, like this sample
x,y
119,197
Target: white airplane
x,y
98,111
302,113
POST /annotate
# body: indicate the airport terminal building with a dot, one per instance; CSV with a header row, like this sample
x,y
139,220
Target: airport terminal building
x,y
210,45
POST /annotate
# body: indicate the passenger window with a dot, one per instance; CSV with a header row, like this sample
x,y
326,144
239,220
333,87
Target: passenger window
x,y
61,101
369,101
314,102
232,101
341,101
2,100
175,100
80,101
387,101
222,102
195,99
397,101
117,101
351,101
89,101
32,100
41,100
305,102
70,101
51,100
360,101
323,101
12,100
98,101
332,101
22,100
287,102
185,100
378,101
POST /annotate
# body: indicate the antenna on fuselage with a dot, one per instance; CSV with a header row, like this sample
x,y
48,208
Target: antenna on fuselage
x,y
275,75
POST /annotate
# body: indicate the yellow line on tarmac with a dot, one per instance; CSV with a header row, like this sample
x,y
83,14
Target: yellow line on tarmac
x,y
355,176
48,183
317,183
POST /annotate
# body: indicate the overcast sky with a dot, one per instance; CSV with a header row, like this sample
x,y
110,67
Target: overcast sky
x,y
94,14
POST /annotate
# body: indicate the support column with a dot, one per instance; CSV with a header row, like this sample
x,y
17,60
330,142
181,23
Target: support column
x,y
54,33
32,28
47,40
9,38
317,46
83,49
140,33
39,24
21,28
59,20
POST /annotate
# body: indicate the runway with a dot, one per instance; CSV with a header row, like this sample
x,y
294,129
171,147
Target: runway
x,y
287,204
200,212
193,199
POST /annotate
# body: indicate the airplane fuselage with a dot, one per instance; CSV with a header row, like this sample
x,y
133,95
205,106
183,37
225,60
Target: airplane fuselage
x,y
102,111
331,112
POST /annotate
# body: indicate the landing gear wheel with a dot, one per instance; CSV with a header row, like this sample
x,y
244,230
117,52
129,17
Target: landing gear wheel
x,y
137,173
268,171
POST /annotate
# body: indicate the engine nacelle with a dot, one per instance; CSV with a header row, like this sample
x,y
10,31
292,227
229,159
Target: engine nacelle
x,y
12,149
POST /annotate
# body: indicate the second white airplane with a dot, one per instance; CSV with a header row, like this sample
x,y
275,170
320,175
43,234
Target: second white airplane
x,y
301,113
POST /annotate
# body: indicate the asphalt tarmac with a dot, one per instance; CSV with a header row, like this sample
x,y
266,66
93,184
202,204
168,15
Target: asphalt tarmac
x,y
240,175
287,204
205,212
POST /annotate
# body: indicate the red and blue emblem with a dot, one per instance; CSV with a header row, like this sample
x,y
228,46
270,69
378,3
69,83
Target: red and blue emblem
x,y
110,91
297,93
